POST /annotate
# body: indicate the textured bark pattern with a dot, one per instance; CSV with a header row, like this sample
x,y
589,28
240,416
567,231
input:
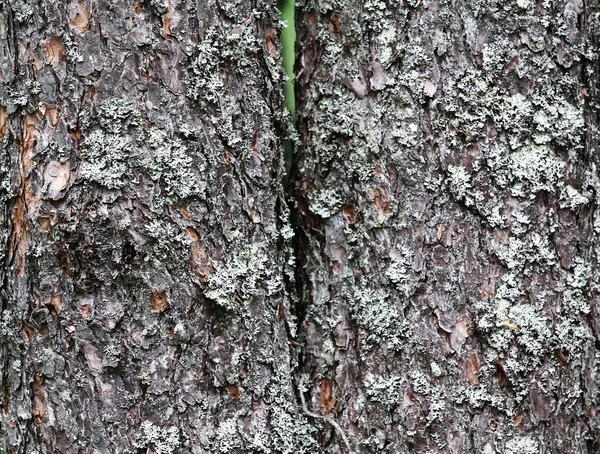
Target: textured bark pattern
x,y
449,188
143,230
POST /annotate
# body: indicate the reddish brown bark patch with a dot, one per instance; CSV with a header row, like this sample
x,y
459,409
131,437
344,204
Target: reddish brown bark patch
x,y
158,301
473,369
56,302
55,50
86,311
381,200
28,332
3,120
199,257
234,391
38,409
327,399
80,18
349,213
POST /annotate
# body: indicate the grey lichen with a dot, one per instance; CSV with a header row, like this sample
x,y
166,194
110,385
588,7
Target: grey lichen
x,y
169,161
161,440
106,150
522,445
242,276
105,159
381,318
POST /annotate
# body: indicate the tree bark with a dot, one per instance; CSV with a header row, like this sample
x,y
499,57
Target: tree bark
x,y
431,286
145,237
449,192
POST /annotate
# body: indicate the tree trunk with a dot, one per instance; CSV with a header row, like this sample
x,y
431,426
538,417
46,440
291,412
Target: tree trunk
x,y
449,192
145,235
440,294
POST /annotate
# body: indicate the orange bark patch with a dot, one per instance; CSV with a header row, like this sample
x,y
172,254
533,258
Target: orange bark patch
x,y
234,391
380,200
473,369
55,50
349,213
86,311
200,259
327,400
80,18
335,22
28,332
28,202
38,409
271,38
3,119
158,301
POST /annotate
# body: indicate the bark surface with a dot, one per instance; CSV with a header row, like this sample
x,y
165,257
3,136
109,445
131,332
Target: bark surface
x,y
440,294
449,192
144,232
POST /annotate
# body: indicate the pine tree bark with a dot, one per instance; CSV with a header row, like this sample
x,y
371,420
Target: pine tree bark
x,y
449,191
443,296
145,237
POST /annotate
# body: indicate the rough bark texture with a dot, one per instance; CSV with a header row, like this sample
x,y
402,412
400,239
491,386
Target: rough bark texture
x,y
144,233
449,190
444,293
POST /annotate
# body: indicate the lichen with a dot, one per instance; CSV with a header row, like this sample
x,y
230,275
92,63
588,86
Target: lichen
x,y
325,203
380,317
387,390
522,445
160,440
105,159
170,162
242,276
535,168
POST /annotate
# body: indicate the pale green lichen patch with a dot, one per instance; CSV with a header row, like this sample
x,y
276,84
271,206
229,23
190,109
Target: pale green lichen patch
x,y
459,181
115,114
435,395
325,203
170,162
159,439
387,390
522,445
380,317
105,159
535,168
242,276
106,150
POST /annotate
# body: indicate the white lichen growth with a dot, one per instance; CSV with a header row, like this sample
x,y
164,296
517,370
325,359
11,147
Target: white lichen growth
x,y
170,162
325,203
380,317
522,445
387,390
242,276
535,169
104,159
459,181
160,440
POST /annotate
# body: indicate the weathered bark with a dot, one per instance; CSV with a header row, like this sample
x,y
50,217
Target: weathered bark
x,y
445,278
144,233
449,190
